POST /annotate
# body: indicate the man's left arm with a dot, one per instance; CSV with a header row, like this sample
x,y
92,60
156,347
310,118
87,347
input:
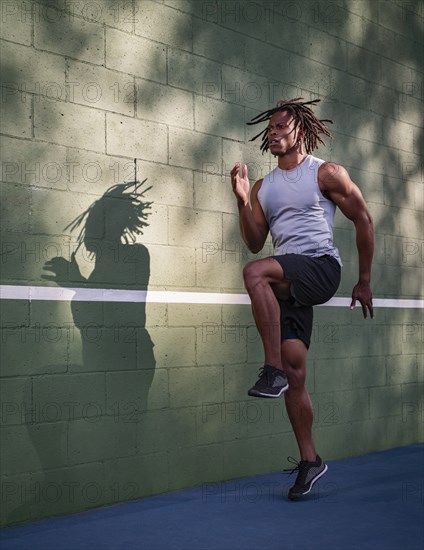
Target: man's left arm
x,y
335,182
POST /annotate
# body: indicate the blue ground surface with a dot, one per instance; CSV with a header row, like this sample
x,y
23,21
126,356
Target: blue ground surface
x,y
375,501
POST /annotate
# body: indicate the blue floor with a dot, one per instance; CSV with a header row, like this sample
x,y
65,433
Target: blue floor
x,y
374,501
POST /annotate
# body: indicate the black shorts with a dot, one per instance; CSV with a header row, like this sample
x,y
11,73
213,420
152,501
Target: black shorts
x,y
313,281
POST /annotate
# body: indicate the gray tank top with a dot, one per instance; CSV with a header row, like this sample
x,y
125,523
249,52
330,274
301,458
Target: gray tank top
x,y
299,217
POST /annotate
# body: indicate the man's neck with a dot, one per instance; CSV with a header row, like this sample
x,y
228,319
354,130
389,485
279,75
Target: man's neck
x,y
291,160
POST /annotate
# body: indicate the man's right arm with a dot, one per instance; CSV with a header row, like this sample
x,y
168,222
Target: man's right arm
x,y
253,225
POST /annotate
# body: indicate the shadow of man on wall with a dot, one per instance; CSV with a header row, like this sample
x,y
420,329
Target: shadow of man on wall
x,y
108,232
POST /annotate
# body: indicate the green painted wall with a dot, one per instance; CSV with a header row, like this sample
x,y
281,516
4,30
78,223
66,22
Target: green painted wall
x,y
106,401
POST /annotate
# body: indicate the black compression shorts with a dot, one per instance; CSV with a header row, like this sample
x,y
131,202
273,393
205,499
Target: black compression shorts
x,y
313,281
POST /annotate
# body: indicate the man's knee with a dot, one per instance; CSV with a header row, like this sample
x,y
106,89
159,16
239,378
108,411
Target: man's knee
x,y
267,270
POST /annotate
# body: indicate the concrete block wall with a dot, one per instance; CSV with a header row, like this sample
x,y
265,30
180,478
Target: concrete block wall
x,y
105,401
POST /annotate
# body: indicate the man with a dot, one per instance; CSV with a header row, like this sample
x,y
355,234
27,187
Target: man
x,y
296,202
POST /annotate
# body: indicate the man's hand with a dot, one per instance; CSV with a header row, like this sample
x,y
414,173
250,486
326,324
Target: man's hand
x,y
362,293
240,185
64,272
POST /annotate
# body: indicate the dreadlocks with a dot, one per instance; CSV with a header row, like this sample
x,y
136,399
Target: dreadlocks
x,y
308,123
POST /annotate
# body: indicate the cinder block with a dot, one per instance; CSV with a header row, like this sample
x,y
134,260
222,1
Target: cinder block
x,y
135,56
385,401
16,491
220,344
16,112
262,61
238,315
401,369
126,316
411,332
63,398
193,73
33,71
172,266
333,375
219,118
341,341
14,208
385,340
164,24
217,43
174,347
166,430
192,228
96,348
398,135
121,16
129,393
67,124
33,350
207,380
368,372
385,218
410,285
365,125
402,431
72,37
48,205
101,88
369,435
170,185
164,104
363,63
193,149
251,90
350,89
398,16
258,165
136,138
67,490
403,251
106,438
33,447
218,422
193,315
186,466
411,223
318,45
187,6
25,255
304,73
137,476
33,163
14,313
15,400
219,268
414,393
17,22
157,314
266,417
96,173
334,441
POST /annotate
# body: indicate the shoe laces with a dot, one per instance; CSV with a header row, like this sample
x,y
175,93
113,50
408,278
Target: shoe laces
x,y
298,465
265,372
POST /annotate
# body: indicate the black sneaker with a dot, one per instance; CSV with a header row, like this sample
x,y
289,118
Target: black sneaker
x,y
272,383
308,474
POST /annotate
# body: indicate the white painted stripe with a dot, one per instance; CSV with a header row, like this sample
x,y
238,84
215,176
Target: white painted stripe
x,y
22,292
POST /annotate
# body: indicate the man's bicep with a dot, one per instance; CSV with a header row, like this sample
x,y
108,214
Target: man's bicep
x,y
350,201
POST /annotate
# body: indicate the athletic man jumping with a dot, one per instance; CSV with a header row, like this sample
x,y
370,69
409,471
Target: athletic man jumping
x,y
296,202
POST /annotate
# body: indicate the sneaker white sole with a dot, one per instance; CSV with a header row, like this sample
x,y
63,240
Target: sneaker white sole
x,y
262,394
312,484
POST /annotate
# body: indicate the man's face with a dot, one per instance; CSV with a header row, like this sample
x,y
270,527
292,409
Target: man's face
x,y
282,135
